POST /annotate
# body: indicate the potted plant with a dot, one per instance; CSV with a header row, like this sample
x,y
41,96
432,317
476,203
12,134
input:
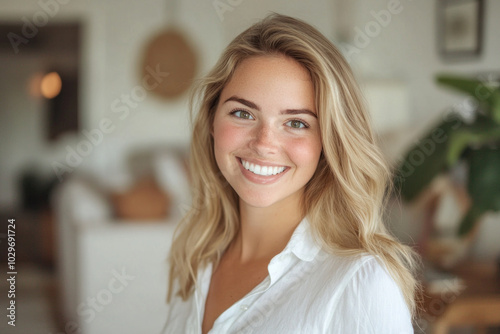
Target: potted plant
x,y
476,142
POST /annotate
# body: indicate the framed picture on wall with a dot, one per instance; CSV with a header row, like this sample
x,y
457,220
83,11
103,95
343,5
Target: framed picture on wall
x,y
460,24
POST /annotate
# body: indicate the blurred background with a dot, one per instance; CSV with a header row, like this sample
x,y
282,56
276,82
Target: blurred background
x,y
94,134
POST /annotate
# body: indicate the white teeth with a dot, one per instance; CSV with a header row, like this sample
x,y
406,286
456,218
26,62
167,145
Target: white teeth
x,y
246,164
262,170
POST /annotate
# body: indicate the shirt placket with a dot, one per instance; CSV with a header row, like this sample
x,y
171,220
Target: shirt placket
x,y
232,314
277,267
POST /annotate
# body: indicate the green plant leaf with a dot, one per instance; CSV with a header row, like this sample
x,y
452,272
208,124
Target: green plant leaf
x,y
426,159
483,184
481,132
495,109
484,178
487,95
470,220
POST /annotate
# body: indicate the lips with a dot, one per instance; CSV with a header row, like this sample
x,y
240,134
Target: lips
x,y
263,170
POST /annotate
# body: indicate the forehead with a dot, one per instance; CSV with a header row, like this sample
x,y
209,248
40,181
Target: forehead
x,y
275,65
271,77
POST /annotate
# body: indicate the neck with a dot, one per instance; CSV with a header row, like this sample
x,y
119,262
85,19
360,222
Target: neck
x,y
264,232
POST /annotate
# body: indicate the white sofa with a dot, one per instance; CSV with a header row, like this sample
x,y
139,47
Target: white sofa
x,y
112,274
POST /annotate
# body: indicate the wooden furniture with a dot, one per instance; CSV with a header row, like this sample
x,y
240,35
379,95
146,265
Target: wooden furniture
x,y
476,306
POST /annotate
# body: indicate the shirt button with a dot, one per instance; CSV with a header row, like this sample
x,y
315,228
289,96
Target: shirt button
x,y
244,307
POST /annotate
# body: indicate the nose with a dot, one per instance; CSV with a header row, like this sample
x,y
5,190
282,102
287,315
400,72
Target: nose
x,y
264,140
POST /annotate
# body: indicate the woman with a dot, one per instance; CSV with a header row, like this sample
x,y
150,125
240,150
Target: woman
x,y
285,234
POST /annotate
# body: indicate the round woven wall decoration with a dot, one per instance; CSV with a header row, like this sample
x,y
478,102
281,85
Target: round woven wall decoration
x,y
170,52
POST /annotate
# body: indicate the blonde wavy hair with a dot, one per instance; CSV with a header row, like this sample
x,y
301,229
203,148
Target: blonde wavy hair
x,y
345,198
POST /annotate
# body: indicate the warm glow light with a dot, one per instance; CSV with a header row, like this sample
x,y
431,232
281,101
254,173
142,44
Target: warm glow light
x,y
51,85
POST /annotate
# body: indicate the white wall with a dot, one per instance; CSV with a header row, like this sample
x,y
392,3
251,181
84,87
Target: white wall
x,y
319,13
407,49
22,116
114,35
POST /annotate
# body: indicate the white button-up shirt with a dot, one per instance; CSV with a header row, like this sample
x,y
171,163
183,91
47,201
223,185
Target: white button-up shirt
x,y
307,291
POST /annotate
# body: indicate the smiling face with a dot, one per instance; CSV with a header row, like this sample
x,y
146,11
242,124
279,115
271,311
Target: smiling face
x,y
266,133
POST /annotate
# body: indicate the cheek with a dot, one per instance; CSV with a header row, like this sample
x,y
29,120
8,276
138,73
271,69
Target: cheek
x,y
305,152
227,137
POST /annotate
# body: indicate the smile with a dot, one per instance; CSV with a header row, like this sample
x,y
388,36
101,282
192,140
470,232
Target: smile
x,y
262,170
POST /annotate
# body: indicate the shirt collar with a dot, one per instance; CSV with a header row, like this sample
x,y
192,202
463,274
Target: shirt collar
x,y
302,243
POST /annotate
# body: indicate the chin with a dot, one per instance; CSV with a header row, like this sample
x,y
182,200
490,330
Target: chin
x,y
257,200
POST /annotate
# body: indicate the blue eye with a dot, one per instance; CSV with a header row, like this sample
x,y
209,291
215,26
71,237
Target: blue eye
x,y
296,124
242,114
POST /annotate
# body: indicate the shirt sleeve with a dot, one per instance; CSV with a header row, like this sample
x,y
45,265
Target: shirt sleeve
x,y
372,302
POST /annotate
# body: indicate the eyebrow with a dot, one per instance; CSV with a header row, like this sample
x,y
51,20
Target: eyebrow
x,y
252,105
